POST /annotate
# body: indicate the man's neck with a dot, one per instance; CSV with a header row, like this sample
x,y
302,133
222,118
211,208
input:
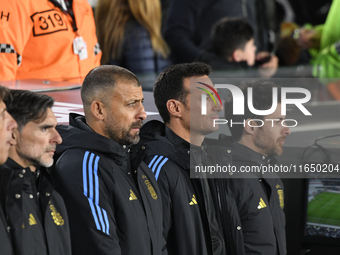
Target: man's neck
x,y
20,161
195,139
251,146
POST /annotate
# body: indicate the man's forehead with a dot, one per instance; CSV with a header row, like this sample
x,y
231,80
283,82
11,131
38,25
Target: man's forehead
x,y
277,113
199,81
47,118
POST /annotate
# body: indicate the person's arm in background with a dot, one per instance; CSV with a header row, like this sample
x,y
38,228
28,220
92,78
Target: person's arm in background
x,y
180,28
269,68
15,29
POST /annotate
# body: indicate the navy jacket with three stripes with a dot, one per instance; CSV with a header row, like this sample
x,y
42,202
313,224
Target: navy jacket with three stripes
x,y
194,220
114,207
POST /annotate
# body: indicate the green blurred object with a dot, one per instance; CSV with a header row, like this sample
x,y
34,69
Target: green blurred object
x,y
327,63
326,60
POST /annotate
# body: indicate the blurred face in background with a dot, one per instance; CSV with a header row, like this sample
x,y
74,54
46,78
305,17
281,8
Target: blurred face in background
x,y
7,125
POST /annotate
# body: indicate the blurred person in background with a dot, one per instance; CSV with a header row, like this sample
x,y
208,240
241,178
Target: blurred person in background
x,y
129,33
233,48
42,39
189,25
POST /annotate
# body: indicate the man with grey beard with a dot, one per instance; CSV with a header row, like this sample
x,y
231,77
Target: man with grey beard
x,y
35,213
114,207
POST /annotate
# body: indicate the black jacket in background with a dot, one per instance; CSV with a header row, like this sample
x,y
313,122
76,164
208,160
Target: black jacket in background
x,y
113,207
189,23
53,211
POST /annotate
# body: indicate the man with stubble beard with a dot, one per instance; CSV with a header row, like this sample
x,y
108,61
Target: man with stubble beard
x,y
259,197
35,213
114,207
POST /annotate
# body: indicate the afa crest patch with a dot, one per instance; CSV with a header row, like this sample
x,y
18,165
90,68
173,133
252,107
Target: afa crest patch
x,y
280,193
150,188
57,218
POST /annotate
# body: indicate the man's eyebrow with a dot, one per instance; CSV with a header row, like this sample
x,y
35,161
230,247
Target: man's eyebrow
x,y
135,100
47,126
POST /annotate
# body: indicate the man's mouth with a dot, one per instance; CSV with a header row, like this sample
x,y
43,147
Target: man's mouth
x,y
137,126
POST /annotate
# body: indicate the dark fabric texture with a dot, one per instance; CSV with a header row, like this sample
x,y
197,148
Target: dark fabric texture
x,y
138,55
26,219
260,203
189,228
189,24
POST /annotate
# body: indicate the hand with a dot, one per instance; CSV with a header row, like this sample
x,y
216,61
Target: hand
x,y
269,68
309,38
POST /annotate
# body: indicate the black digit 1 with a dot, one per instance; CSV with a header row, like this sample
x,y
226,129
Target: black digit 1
x,y
49,17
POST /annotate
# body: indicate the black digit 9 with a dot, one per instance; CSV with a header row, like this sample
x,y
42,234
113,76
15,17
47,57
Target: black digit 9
x,y
58,18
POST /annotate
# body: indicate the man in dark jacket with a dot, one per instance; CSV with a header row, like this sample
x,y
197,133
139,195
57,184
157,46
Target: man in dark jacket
x,y
191,222
35,212
259,196
7,125
114,206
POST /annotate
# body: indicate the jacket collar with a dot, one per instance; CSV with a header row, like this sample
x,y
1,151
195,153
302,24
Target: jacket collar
x,y
242,152
176,140
14,165
79,135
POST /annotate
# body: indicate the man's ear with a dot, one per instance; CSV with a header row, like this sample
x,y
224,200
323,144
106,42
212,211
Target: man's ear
x,y
15,134
250,129
175,108
98,110
238,55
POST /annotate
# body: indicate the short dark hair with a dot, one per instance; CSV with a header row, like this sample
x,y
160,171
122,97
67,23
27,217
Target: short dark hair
x,y
101,79
169,84
230,34
4,93
262,100
26,106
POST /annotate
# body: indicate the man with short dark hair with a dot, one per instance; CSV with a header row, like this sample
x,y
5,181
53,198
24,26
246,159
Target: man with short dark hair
x,y
191,220
7,125
260,196
114,206
35,212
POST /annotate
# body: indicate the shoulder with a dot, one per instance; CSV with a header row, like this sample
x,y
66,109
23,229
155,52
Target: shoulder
x,y
133,27
71,160
162,165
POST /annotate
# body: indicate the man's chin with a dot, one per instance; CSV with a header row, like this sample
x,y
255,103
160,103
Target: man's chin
x,y
46,163
278,151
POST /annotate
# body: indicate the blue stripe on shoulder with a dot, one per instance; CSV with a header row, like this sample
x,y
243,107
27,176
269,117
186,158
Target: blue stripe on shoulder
x,y
156,163
160,167
152,161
